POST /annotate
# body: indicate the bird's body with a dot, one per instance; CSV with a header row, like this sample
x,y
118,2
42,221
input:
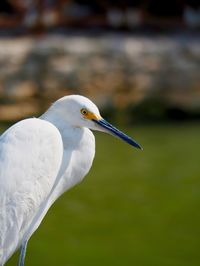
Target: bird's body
x,y
23,162
41,158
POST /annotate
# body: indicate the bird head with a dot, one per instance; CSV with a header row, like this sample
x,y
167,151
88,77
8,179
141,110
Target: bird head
x,y
79,111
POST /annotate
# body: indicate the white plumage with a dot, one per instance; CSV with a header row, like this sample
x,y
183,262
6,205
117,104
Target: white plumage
x,y
41,158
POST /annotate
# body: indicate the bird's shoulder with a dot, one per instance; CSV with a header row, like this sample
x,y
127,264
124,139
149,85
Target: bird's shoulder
x,y
28,127
28,148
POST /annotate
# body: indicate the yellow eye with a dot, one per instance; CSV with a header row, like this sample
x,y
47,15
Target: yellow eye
x,y
84,111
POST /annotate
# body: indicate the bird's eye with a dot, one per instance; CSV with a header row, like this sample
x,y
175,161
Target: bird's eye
x,y
84,111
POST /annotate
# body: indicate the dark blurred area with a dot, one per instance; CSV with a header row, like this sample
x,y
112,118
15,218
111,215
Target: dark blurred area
x,y
139,58
43,15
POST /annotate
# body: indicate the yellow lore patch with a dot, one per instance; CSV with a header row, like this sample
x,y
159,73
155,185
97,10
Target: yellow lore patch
x,y
90,115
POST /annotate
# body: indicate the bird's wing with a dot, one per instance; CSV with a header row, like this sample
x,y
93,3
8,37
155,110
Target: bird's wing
x,y
30,158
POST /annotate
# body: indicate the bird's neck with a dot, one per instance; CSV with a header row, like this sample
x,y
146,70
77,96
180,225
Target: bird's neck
x,y
79,148
53,117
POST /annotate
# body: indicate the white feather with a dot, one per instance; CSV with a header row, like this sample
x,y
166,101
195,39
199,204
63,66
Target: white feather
x,y
30,157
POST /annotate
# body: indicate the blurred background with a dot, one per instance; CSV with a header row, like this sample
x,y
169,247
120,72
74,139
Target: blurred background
x,y
139,61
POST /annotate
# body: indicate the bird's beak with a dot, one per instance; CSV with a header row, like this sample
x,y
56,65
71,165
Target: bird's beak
x,y
107,127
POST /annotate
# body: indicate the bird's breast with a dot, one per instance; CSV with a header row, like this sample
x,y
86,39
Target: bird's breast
x,y
77,160
82,156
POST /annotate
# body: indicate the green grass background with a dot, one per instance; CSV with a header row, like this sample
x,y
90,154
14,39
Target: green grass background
x,y
135,207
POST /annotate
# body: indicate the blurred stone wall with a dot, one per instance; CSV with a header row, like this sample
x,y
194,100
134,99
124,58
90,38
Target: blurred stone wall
x,y
116,71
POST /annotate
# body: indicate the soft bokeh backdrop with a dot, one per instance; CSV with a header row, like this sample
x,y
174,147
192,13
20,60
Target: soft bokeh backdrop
x,y
139,62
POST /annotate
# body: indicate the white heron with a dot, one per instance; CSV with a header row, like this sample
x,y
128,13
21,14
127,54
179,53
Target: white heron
x,y
41,158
